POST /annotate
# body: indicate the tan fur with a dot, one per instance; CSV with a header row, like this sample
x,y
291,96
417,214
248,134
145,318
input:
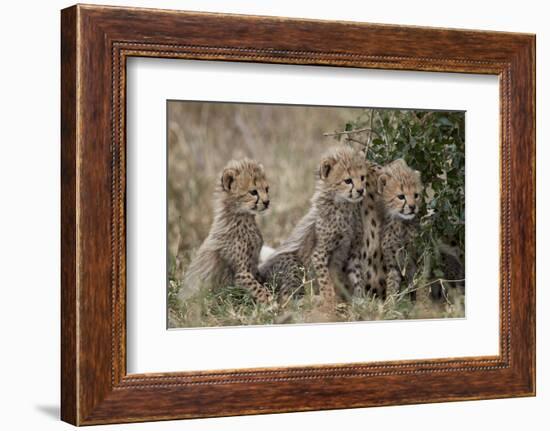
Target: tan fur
x,y
394,197
230,253
328,238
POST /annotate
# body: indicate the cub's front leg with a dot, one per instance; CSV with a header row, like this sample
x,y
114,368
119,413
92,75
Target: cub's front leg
x,y
357,254
320,263
393,275
354,267
243,268
246,279
393,282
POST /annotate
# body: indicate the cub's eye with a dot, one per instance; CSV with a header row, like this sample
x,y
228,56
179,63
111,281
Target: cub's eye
x,y
402,197
348,181
362,178
267,189
253,192
416,195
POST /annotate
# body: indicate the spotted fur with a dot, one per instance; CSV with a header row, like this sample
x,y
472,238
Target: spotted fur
x,y
328,238
390,209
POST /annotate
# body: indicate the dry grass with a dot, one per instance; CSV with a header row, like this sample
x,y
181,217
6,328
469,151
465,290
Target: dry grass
x,y
232,306
288,140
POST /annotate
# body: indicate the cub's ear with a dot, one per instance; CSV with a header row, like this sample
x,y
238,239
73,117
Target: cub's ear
x,y
325,167
382,181
418,175
399,162
228,177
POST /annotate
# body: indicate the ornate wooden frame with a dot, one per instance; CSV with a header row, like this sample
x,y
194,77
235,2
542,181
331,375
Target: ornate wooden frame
x,y
95,43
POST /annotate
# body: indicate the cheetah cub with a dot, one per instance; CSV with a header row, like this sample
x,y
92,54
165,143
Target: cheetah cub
x,y
230,253
328,238
399,188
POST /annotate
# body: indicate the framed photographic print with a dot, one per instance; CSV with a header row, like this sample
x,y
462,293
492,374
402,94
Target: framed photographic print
x,y
267,215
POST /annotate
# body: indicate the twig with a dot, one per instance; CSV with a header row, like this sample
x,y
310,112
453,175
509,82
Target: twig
x,y
424,118
414,289
444,290
367,146
351,132
348,139
304,282
443,280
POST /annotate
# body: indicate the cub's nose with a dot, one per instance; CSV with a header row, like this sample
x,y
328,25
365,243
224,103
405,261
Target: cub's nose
x,y
266,203
360,191
412,207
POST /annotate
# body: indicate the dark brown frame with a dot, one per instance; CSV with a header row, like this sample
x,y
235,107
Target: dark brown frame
x,y
95,43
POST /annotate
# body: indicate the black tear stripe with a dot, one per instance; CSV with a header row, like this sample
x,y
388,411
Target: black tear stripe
x,y
231,179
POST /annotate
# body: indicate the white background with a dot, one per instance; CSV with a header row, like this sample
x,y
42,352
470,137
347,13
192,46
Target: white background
x,y
29,217
151,348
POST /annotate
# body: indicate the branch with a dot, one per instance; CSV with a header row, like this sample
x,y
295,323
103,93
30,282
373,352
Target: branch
x,y
367,147
357,141
438,280
351,132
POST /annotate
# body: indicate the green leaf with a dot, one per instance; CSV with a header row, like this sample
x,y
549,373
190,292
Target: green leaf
x,y
444,121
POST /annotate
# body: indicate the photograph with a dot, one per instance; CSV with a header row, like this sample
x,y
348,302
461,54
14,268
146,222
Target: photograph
x,y
290,214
